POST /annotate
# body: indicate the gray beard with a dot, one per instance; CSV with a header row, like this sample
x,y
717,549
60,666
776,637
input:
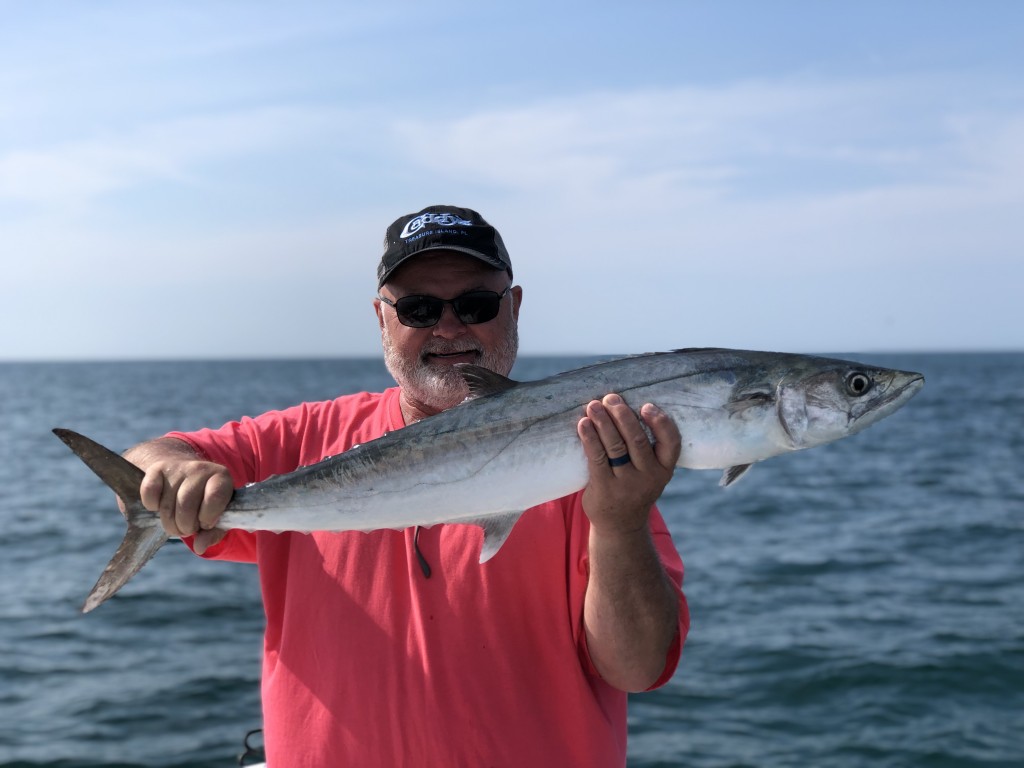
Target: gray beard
x,y
441,387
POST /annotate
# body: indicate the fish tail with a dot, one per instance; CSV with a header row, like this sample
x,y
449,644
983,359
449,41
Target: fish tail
x,y
145,534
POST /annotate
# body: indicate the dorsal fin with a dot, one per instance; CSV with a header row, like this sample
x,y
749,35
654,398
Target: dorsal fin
x,y
483,381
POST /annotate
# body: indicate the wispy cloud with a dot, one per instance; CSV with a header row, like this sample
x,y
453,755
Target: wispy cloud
x,y
790,166
651,203
166,152
860,133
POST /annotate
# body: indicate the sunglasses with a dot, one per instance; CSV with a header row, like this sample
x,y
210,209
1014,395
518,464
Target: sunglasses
x,y
424,311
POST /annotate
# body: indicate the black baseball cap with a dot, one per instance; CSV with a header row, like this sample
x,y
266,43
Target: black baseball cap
x,y
441,228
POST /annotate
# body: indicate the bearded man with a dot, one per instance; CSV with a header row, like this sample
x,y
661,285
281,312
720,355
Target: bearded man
x,y
395,648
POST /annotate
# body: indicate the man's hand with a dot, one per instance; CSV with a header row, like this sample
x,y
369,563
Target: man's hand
x,y
188,493
619,498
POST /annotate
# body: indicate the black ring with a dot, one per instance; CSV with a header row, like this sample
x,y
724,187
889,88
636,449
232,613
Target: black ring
x,y
619,461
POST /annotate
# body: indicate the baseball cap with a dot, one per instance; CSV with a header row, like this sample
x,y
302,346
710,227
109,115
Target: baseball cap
x,y
441,228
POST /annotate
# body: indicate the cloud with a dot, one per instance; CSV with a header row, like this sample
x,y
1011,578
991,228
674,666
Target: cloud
x,y
779,158
840,215
789,213
166,152
78,172
870,132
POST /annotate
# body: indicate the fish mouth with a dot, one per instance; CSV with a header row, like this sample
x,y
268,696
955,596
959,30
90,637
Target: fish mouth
x,y
909,387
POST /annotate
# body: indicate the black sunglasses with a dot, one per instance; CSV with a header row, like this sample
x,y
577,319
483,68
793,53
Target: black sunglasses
x,y
424,311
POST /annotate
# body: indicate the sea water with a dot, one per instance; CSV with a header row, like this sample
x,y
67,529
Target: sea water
x,y
861,604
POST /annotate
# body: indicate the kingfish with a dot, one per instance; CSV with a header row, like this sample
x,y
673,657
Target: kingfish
x,y
513,445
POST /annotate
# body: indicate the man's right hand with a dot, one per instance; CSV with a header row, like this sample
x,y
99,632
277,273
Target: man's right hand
x,y
187,492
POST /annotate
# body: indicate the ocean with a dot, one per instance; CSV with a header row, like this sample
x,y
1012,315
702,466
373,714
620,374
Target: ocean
x,y
859,604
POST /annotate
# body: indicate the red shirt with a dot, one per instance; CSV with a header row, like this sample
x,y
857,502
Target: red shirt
x,y
369,663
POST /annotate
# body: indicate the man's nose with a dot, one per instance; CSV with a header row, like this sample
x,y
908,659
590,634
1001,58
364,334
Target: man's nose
x,y
449,326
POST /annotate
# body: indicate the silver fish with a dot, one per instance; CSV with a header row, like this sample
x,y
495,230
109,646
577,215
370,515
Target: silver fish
x,y
513,445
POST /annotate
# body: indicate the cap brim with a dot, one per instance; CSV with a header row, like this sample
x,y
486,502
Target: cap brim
x,y
488,260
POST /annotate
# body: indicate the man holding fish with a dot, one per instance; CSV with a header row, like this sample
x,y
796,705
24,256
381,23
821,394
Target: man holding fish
x,y
396,647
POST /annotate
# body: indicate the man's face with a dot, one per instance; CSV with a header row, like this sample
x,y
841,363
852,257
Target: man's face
x,y
422,359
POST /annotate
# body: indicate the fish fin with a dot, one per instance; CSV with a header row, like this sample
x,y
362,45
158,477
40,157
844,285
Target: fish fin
x,y
144,537
496,530
732,474
750,400
145,534
483,381
123,477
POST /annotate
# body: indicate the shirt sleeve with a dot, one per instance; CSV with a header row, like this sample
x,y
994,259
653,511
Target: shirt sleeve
x,y
278,442
673,565
671,562
236,446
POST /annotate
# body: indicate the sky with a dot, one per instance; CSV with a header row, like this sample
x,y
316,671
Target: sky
x,y
213,179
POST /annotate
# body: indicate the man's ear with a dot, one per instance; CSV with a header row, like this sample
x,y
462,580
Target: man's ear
x,y
517,300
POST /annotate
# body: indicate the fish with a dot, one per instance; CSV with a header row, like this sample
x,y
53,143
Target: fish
x,y
513,445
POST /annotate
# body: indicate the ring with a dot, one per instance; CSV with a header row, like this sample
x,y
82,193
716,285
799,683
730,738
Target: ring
x,y
619,461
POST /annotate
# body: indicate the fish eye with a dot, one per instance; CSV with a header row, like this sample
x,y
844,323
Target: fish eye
x,y
857,383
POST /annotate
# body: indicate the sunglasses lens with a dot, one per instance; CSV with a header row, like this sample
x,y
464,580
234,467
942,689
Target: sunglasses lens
x,y
419,311
477,307
471,308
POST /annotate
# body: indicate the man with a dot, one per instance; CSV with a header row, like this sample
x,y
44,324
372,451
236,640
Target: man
x,y
398,647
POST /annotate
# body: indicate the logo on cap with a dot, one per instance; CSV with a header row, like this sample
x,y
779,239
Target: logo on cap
x,y
437,219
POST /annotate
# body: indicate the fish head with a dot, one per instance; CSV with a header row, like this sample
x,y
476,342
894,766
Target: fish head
x,y
834,399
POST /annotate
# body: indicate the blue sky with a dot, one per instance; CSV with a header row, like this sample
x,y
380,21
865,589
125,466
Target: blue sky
x,y
213,179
